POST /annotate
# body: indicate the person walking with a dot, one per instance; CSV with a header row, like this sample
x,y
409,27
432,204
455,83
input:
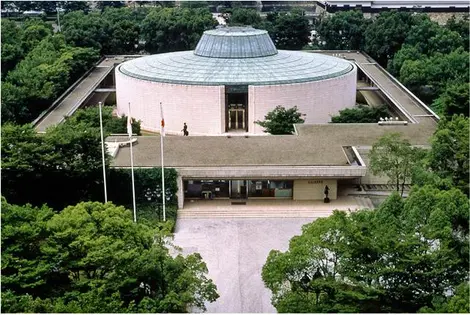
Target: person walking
x,y
185,130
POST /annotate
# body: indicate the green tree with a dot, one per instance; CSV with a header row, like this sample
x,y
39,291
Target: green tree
x,y
428,77
70,6
407,52
240,16
175,29
343,30
460,26
399,258
103,5
12,50
289,30
110,263
361,114
41,76
124,30
449,156
34,31
280,121
386,34
85,30
395,158
111,124
25,268
66,156
454,100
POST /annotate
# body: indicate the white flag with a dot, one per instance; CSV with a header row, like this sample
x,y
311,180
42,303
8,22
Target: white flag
x,y
129,122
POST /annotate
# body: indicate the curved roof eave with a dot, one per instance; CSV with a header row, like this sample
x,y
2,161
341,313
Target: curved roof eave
x,y
186,68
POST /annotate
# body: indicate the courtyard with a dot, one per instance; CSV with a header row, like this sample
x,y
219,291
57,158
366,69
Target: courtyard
x,y
235,250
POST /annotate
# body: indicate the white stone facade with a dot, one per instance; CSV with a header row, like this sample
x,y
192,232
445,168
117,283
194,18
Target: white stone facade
x,y
203,107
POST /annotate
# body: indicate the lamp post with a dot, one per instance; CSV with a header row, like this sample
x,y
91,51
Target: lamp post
x,y
156,195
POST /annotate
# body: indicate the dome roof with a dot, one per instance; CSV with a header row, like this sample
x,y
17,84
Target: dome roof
x,y
235,56
235,42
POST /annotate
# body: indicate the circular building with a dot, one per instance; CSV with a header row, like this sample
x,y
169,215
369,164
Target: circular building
x,y
233,78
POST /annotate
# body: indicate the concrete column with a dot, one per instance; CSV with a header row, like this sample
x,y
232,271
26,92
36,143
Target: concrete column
x,y
180,192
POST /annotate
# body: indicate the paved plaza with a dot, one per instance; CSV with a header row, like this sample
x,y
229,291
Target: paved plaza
x,y
235,251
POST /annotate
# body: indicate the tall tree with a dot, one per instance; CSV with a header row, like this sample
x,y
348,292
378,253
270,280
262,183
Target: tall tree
x,y
240,16
398,258
175,29
288,30
280,121
453,100
395,158
428,77
460,26
12,50
109,263
343,30
386,34
449,156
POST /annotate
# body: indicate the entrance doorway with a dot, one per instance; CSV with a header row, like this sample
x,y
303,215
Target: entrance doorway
x,y
238,189
236,116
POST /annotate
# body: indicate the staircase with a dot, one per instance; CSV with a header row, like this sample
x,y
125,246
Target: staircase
x,y
268,208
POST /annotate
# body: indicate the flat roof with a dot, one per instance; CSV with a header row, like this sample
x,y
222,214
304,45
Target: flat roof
x,y
315,145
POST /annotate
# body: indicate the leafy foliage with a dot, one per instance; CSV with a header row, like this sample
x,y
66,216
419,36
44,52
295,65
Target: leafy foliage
x,y
428,77
42,76
175,29
361,114
453,100
449,156
398,258
111,124
395,158
100,260
280,121
384,37
288,30
343,30
241,16
113,31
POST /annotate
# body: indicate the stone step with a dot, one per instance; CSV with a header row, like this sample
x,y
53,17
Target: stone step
x,y
254,214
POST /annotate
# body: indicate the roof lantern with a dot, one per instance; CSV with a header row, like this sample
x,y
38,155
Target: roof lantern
x,y
235,42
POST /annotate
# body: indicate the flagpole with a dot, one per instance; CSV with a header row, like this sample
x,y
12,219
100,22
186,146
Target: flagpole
x,y
103,155
163,169
129,126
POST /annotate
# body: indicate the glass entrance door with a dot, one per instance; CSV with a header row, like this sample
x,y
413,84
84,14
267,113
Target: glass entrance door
x,y
236,117
238,189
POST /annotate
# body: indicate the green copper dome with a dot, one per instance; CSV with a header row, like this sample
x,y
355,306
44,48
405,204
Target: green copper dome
x,y
235,56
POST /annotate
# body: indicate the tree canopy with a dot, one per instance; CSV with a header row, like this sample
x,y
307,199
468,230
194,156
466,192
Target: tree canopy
x,y
91,258
288,30
280,121
175,29
395,158
449,155
398,258
343,30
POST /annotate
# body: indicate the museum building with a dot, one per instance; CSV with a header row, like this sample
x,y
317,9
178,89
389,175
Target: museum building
x,y
233,78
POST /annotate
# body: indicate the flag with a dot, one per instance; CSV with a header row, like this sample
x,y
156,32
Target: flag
x,y
163,121
129,122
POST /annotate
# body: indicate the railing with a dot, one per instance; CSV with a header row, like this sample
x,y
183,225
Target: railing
x,y
85,95
65,94
414,97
